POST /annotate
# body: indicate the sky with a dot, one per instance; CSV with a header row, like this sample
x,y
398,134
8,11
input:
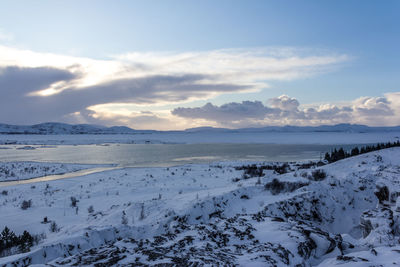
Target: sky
x,y
171,65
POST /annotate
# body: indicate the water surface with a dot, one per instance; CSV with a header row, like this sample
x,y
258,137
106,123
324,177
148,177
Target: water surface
x,y
161,155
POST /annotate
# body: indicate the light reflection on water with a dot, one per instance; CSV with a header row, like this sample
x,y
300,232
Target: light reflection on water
x,y
161,155
155,155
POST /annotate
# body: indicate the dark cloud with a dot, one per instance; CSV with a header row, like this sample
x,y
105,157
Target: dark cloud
x,y
18,107
15,85
142,120
226,112
16,81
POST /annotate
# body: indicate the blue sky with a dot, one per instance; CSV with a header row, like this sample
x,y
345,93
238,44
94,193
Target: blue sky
x,y
356,41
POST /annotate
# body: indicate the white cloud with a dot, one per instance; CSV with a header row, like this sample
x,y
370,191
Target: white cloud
x,y
285,110
246,69
74,89
373,106
284,102
239,66
51,87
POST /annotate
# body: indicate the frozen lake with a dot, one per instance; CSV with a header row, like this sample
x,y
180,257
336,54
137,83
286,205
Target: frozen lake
x,y
161,155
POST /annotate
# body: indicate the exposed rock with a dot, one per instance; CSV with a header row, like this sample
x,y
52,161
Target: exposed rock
x,y
377,225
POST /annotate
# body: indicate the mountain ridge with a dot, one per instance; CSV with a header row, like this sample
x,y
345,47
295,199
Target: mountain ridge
x,y
54,128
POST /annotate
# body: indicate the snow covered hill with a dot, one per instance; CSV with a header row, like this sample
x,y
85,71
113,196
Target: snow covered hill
x,y
63,128
343,214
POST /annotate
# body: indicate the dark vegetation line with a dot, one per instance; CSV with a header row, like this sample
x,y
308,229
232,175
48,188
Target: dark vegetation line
x,y
255,170
9,240
336,155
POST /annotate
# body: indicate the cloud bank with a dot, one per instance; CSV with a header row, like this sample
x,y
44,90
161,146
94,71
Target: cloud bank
x,y
39,87
285,110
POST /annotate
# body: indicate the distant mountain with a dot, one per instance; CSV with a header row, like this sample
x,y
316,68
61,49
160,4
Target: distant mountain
x,y
344,127
63,128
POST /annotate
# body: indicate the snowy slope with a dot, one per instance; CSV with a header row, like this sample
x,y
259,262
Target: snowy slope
x,y
217,215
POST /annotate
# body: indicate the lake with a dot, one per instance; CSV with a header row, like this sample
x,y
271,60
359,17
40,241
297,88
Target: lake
x,y
163,155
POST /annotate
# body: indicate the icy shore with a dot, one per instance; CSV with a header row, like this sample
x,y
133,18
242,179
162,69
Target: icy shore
x,y
16,171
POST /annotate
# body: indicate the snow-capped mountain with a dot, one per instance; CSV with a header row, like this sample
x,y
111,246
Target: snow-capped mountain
x,y
65,129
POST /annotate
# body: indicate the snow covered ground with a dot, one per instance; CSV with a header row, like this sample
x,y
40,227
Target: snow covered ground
x,y
345,214
204,137
15,171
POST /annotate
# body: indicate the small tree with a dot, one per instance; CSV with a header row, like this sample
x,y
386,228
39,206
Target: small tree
x,y
54,227
8,237
74,201
124,219
142,212
25,241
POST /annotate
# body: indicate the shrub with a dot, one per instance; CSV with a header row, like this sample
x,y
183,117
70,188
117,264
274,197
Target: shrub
x,y
252,171
74,201
318,175
54,227
277,187
90,209
26,204
124,219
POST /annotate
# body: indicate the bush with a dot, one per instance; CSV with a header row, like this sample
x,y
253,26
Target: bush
x,y
252,171
54,227
74,201
277,187
26,204
124,219
318,175
90,209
